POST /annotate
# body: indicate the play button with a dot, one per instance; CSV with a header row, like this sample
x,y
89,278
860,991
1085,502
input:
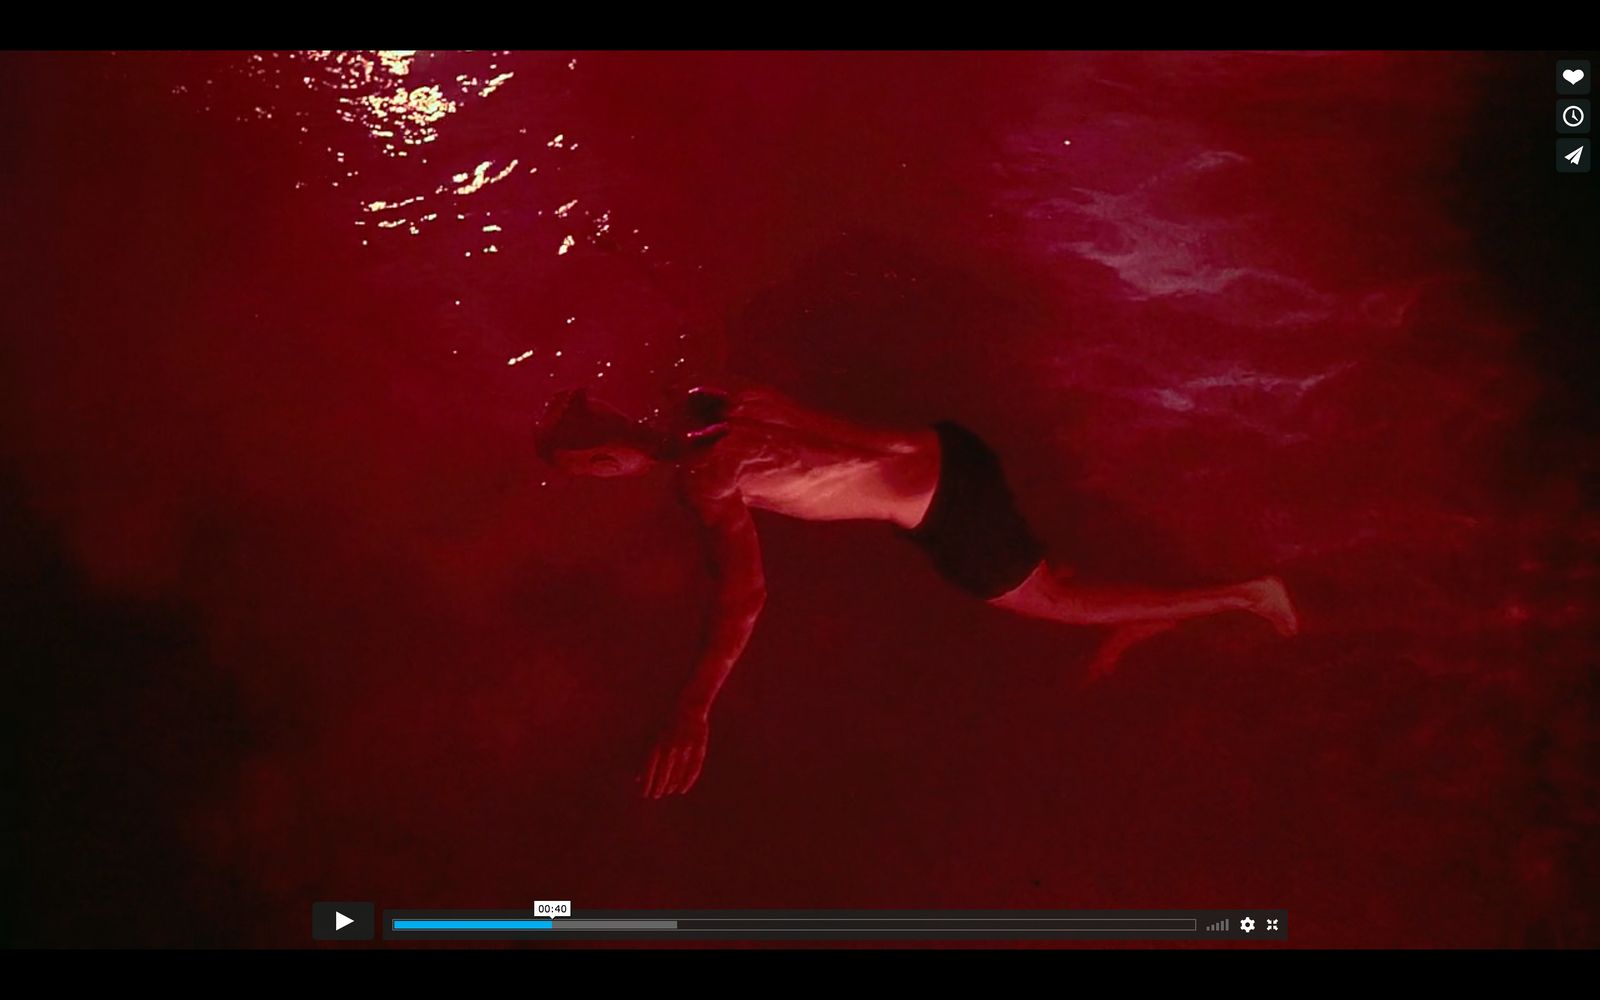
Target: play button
x,y
342,921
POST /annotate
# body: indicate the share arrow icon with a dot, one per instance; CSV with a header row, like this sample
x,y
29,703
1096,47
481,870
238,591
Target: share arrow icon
x,y
1572,156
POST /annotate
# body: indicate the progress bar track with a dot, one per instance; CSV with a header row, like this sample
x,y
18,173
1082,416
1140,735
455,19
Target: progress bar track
x,y
815,925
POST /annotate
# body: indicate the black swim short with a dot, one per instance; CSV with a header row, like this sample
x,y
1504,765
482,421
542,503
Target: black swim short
x,y
977,537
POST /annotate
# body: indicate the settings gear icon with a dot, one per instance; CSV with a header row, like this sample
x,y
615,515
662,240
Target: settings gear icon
x,y
1248,924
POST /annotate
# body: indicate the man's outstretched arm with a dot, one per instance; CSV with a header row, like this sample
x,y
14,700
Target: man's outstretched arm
x,y
754,405
739,592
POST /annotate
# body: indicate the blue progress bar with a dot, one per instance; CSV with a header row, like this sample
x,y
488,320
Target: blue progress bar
x,y
471,924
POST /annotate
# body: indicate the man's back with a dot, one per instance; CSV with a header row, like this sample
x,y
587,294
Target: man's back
x,y
781,456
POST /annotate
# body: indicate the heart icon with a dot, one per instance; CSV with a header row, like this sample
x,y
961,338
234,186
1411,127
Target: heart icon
x,y
1572,75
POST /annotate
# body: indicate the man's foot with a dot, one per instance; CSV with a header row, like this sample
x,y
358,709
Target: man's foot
x,y
1119,642
1272,602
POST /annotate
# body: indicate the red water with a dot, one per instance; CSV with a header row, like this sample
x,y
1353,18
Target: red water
x,y
300,616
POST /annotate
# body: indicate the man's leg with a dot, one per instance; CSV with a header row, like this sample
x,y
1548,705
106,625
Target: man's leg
x,y
1121,639
1054,595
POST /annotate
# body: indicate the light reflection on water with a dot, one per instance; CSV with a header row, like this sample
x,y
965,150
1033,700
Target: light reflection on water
x,y
418,144
407,105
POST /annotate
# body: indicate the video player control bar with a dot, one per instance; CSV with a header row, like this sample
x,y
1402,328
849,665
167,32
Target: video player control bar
x,y
593,925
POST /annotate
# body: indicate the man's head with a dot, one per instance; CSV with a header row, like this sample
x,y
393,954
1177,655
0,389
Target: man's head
x,y
587,438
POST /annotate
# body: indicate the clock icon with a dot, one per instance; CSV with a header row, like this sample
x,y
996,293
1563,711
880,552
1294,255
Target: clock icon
x,y
1572,116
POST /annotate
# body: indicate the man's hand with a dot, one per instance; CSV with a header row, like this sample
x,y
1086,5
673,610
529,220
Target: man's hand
x,y
678,757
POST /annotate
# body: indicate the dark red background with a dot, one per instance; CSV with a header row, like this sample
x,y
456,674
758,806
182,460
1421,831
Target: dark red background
x,y
295,614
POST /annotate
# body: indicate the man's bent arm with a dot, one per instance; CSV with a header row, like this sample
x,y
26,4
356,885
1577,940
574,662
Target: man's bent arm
x,y
739,593
760,404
